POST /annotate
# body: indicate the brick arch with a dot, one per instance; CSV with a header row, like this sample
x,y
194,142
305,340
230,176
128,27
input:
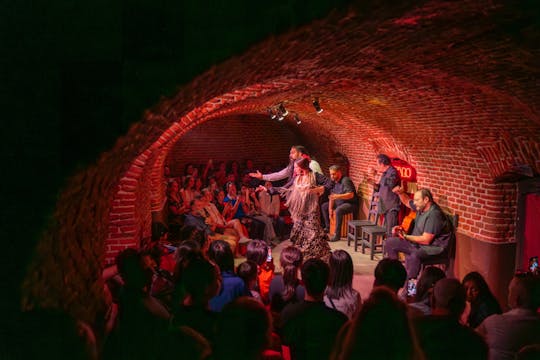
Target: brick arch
x,y
420,81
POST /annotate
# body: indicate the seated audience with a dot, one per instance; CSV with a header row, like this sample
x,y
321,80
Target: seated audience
x,y
176,206
440,334
421,304
430,235
339,294
254,212
506,334
257,251
390,273
247,271
196,219
142,319
381,330
482,302
286,287
243,331
232,286
189,193
214,217
237,208
310,327
198,283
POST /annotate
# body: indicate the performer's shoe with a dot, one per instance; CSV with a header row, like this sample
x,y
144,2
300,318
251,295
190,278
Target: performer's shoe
x,y
333,239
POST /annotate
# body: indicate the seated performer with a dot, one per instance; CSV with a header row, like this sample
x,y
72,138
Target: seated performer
x,y
430,235
342,200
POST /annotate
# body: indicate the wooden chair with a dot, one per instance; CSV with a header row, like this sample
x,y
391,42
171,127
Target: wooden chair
x,y
373,237
444,259
354,227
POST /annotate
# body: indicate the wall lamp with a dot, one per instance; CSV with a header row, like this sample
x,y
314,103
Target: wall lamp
x,y
317,106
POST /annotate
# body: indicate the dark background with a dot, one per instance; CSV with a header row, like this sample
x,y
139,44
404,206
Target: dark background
x,y
75,75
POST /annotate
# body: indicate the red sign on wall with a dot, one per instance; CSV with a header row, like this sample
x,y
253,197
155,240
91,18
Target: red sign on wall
x,y
406,171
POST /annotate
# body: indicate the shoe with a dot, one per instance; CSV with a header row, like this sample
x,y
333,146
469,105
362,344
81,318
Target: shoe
x,y
333,239
326,230
244,240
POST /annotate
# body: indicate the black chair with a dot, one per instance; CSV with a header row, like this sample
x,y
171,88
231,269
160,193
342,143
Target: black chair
x,y
354,227
444,259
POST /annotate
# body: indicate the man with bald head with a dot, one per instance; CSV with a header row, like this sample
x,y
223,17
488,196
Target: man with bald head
x,y
430,236
507,333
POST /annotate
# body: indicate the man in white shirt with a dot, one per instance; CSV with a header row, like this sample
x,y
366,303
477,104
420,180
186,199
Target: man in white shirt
x,y
507,333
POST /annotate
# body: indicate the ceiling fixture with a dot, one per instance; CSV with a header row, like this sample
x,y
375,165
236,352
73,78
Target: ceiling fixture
x,y
317,106
297,119
272,113
282,110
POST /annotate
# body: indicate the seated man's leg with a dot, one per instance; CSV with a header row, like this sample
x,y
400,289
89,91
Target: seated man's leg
x,y
326,215
413,261
341,210
395,245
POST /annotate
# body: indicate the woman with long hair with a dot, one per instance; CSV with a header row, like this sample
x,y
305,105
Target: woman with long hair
x,y
285,288
303,203
339,293
482,301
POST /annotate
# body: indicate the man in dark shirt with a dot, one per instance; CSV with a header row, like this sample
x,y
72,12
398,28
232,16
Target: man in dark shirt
x,y
310,327
342,200
389,203
430,235
440,335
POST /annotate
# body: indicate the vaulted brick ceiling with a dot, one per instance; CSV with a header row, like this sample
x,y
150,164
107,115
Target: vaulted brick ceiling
x,y
450,87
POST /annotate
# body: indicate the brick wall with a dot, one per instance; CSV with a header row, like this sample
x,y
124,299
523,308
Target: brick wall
x,y
237,138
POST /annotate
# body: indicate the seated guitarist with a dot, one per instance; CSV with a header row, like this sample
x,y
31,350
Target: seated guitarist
x,y
430,235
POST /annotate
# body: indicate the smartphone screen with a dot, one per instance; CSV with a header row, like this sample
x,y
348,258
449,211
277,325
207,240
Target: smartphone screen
x,y
533,264
411,287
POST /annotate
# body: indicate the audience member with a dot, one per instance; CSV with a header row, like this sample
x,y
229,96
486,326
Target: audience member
x,y
176,206
286,287
243,331
440,334
250,199
189,192
196,219
213,216
506,334
257,251
421,304
339,294
199,282
310,327
381,330
482,302
142,319
232,286
247,271
390,273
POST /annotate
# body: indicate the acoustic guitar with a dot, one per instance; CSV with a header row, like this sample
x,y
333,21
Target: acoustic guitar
x,y
407,222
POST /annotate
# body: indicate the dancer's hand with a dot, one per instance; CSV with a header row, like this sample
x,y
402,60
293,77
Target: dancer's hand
x,y
256,175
